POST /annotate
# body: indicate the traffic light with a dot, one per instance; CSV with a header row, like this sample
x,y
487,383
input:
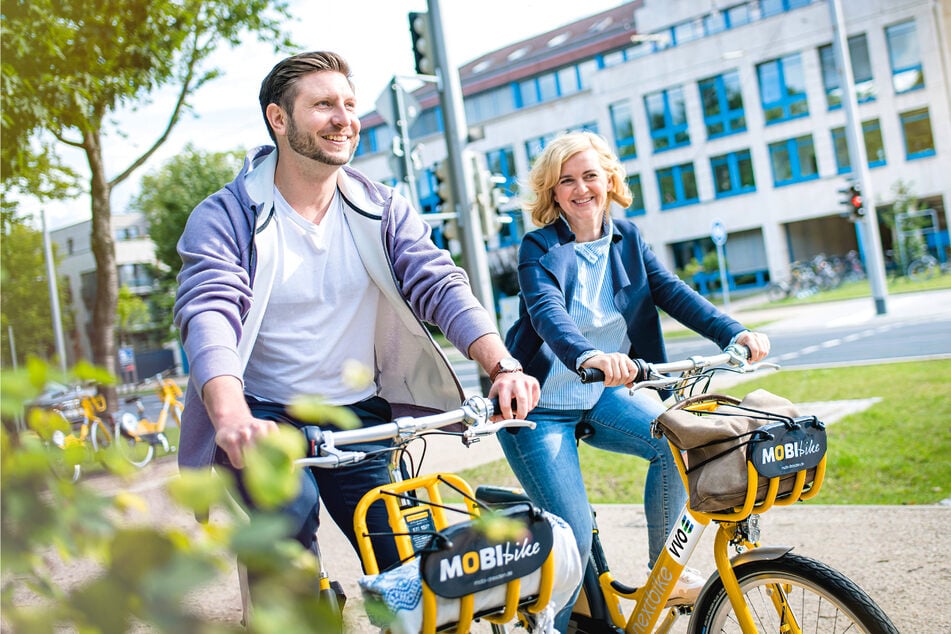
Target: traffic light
x,y
851,198
443,173
421,34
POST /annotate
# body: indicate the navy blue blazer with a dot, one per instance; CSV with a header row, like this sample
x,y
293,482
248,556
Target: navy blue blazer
x,y
548,272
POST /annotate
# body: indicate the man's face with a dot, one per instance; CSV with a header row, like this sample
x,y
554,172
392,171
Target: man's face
x,y
324,125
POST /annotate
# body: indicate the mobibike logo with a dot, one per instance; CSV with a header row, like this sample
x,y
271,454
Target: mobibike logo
x,y
790,451
654,599
488,558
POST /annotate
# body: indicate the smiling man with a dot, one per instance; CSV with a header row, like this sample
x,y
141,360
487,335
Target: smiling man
x,y
302,265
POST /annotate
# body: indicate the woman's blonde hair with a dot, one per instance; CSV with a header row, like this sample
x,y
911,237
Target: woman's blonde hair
x,y
547,170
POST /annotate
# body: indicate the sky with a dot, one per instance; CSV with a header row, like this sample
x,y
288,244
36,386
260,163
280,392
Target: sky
x,y
373,35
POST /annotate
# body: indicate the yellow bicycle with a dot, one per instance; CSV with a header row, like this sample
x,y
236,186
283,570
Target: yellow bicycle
x,y
74,432
137,435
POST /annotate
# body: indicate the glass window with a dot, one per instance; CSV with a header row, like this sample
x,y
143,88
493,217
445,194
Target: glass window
x,y
905,57
547,87
771,7
568,80
428,122
688,31
585,70
528,93
714,22
667,118
738,15
793,160
874,147
489,104
733,173
677,185
637,201
501,162
722,100
623,127
861,72
916,127
782,89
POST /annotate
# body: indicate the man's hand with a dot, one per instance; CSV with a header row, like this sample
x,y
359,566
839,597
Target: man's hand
x,y
756,342
235,428
618,368
518,387
236,436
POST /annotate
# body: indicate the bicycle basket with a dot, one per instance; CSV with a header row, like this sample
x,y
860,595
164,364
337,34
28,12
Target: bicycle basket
x,y
720,435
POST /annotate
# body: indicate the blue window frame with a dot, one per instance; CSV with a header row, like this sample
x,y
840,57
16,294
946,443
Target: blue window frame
x,y
905,57
861,72
428,122
534,147
733,173
426,189
916,128
793,161
374,139
637,202
722,99
667,117
623,127
874,147
501,162
677,185
782,89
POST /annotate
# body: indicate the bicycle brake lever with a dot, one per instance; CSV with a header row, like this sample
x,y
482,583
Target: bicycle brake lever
x,y
331,458
476,432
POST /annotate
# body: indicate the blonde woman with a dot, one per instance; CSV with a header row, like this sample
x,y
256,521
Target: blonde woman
x,y
590,294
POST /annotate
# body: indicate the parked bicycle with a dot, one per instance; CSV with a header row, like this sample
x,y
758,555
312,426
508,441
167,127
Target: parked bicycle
x,y
74,431
458,574
137,435
761,588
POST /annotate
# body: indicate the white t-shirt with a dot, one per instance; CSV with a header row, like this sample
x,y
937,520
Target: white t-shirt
x,y
321,313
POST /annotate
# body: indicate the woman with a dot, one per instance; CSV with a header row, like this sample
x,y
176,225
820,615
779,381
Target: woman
x,y
590,294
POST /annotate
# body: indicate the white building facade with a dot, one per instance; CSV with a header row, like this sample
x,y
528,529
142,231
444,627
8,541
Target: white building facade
x,y
721,111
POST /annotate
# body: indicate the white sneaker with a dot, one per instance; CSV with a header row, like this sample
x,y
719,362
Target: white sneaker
x,y
688,587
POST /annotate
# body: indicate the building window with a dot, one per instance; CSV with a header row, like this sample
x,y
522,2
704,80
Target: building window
x,y
861,72
722,100
916,127
782,89
490,104
793,160
428,122
501,162
534,147
678,186
623,127
733,173
905,57
874,147
637,200
667,117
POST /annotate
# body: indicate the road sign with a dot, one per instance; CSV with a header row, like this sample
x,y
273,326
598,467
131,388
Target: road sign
x,y
718,233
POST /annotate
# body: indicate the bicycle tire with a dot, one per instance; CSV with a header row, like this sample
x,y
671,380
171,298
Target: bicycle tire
x,y
825,600
922,269
100,435
136,452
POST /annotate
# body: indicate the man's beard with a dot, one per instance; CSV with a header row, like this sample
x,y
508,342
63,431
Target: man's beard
x,y
306,145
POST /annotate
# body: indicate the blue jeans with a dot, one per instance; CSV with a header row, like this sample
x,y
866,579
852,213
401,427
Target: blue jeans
x,y
545,461
339,489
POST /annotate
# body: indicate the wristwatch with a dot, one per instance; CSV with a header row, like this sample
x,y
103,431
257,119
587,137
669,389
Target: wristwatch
x,y
505,364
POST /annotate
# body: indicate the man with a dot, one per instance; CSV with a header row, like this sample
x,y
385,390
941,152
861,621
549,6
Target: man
x,y
301,265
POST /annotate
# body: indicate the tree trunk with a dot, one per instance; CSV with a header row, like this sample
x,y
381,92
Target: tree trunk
x,y
102,335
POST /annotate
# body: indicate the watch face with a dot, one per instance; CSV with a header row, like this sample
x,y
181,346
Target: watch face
x,y
508,364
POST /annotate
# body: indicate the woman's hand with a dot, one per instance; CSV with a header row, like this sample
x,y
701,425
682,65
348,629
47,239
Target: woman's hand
x,y
618,368
756,342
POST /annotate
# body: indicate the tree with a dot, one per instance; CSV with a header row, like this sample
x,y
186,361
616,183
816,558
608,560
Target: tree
x,y
24,294
68,65
132,313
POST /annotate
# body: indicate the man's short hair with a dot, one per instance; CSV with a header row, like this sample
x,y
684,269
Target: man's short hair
x,y
280,85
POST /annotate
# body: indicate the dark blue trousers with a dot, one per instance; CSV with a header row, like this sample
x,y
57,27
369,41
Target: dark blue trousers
x,y
340,489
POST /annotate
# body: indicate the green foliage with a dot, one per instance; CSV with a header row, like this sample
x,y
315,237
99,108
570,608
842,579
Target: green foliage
x,y
146,569
24,292
169,194
132,312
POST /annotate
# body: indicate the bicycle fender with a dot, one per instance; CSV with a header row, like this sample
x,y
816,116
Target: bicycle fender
x,y
763,553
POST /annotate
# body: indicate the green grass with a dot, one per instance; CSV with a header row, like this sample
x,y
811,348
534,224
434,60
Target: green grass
x,y
854,290
895,452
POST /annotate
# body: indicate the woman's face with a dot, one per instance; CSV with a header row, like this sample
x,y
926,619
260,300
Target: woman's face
x,y
582,188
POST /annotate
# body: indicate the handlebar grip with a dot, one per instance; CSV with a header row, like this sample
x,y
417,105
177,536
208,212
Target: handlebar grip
x,y
594,375
314,437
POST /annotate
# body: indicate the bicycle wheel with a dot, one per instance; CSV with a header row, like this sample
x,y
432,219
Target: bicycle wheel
x,y
101,436
65,454
137,452
922,269
819,599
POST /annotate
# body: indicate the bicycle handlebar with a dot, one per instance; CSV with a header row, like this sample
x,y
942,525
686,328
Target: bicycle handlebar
x,y
654,375
474,413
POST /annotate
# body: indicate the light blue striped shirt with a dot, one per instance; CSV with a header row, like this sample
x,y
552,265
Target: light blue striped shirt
x,y
592,308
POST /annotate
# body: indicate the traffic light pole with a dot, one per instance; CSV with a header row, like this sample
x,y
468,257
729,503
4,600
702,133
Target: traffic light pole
x,y
450,100
408,172
855,139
